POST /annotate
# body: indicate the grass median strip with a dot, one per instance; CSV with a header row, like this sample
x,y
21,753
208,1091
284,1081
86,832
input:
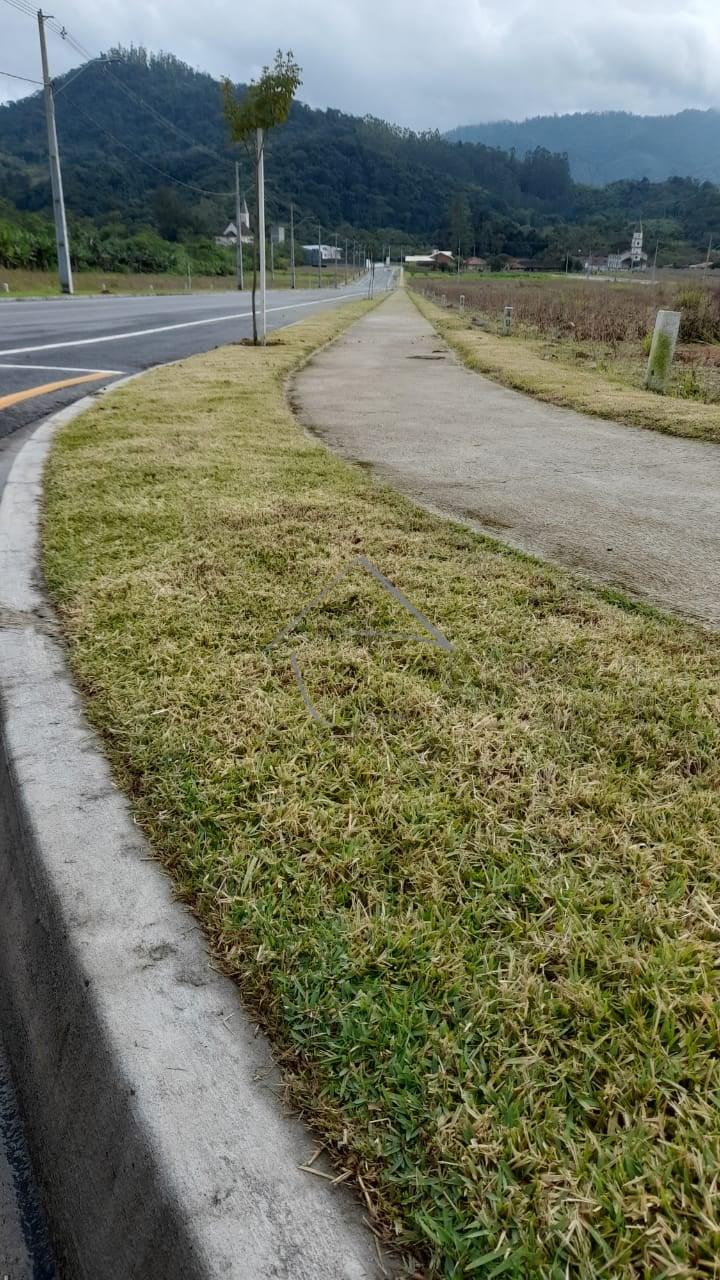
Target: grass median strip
x,y
521,362
476,906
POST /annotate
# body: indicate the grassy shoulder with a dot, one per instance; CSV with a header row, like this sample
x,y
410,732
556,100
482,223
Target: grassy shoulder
x,y
522,363
477,908
32,284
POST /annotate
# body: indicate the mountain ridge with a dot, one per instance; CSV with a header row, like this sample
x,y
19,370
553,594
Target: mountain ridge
x,y
144,149
607,146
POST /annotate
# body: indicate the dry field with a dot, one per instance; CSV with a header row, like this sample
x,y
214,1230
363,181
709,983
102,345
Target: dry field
x,y
602,325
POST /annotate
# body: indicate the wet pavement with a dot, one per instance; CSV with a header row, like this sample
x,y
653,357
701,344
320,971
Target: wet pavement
x,y
25,1252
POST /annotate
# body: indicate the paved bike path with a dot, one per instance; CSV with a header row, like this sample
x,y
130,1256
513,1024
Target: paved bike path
x,y
632,508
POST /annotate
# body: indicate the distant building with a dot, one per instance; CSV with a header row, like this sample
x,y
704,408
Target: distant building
x,y
476,264
632,259
328,254
277,234
438,260
616,262
597,262
229,235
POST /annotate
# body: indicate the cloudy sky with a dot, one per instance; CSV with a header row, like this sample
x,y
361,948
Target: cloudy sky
x,y
417,63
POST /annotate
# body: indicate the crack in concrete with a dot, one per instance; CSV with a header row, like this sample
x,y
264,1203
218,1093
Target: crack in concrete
x,y
24,620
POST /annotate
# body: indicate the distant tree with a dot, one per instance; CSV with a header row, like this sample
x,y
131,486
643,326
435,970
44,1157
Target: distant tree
x,y
460,224
265,104
171,216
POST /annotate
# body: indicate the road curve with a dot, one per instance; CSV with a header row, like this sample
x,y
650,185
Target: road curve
x,y
630,508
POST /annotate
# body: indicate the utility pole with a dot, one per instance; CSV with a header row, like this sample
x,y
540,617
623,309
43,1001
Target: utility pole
x,y
259,142
319,258
292,245
238,226
707,259
61,234
654,274
346,262
335,271
272,257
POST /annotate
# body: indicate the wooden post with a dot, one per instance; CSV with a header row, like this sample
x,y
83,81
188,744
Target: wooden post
x,y
507,322
662,350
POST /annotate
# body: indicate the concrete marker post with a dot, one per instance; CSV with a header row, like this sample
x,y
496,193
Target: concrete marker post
x,y
507,321
662,350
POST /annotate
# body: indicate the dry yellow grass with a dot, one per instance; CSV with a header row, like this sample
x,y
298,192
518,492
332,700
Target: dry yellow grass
x,y
478,909
518,362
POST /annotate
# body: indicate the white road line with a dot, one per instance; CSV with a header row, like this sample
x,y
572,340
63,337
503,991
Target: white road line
x,y
167,328
61,368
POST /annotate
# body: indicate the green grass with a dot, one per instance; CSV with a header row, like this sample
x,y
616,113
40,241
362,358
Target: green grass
x,y
479,912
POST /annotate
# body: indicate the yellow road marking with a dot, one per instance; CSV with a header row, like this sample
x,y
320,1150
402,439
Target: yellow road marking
x,y
17,396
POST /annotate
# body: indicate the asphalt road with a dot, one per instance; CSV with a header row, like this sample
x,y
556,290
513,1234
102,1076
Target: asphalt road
x,y
52,352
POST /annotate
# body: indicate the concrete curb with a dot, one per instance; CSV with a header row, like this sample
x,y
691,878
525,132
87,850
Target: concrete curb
x,y
152,1108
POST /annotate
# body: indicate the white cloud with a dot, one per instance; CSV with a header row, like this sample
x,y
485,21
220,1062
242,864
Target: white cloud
x,y
412,61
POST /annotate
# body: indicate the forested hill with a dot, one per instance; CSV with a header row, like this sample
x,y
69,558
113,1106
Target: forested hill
x,y
131,133
144,149
605,146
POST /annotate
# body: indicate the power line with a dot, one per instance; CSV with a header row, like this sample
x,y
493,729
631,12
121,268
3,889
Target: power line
x,y
131,93
20,4
188,185
25,78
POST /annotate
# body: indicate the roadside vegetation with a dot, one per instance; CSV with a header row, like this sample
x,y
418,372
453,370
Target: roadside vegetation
x,y
584,344
132,262
26,284
477,910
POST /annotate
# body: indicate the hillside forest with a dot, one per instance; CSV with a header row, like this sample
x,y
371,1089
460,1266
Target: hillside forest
x,y
149,180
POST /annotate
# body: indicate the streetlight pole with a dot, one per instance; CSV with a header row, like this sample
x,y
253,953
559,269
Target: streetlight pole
x,y
259,142
238,227
58,199
292,245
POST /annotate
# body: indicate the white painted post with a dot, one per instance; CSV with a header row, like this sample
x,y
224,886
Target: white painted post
x,y
507,322
662,350
443,300
462,301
